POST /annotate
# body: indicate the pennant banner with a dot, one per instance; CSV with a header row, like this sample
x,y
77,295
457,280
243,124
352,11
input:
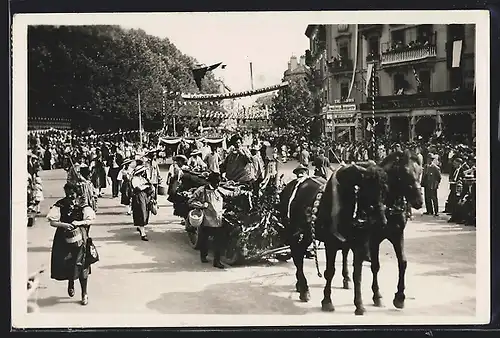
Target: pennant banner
x,y
216,97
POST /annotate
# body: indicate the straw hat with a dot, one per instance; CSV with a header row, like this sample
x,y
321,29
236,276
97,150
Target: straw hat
x,y
300,169
180,157
127,161
139,170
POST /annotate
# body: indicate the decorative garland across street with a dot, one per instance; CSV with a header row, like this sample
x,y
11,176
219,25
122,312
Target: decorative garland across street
x,y
216,97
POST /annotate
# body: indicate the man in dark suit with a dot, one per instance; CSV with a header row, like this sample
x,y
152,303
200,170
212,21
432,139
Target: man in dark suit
x,y
430,181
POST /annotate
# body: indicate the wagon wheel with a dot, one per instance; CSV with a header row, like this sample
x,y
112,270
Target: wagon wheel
x,y
283,257
232,253
193,236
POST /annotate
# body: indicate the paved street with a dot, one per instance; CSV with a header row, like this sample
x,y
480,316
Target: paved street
x,y
164,275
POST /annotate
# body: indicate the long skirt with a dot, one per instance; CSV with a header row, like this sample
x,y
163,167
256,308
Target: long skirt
x,y
99,178
125,190
140,208
67,261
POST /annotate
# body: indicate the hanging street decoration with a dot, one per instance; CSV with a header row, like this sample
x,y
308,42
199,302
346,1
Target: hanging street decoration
x,y
231,95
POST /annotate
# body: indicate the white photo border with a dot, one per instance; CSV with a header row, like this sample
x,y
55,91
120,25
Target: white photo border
x,y
20,318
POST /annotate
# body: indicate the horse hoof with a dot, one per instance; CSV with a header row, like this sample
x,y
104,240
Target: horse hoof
x,y
346,285
327,307
398,303
360,311
377,302
305,296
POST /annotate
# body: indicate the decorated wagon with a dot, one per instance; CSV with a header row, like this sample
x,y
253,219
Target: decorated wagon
x,y
251,222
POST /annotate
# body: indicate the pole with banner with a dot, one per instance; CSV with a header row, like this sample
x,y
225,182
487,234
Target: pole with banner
x,y
140,118
373,140
173,116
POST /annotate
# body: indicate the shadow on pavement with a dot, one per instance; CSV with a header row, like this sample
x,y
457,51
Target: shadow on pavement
x,y
40,249
436,251
54,300
169,251
231,299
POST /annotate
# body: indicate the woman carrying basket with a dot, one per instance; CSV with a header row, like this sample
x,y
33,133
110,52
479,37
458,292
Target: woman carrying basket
x,y
69,249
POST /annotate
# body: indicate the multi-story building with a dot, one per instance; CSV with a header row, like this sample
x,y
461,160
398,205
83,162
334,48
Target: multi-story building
x,y
296,69
401,81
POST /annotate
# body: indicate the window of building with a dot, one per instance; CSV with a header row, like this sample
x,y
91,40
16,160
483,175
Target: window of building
x,y
425,80
344,49
424,33
398,37
344,91
399,83
456,78
456,32
374,45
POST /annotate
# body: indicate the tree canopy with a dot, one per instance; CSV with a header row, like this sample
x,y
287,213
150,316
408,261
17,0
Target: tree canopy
x,y
93,74
294,110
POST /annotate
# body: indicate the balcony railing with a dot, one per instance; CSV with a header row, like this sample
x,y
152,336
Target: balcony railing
x,y
396,52
336,66
423,100
410,55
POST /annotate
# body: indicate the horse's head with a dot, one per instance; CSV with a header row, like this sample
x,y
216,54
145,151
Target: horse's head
x,y
403,170
367,183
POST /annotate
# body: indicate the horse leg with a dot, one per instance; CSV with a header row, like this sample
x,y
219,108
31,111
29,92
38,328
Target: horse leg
x,y
398,244
375,267
331,253
298,253
356,277
345,268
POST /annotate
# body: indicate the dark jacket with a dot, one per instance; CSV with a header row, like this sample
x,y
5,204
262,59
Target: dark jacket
x,y
431,177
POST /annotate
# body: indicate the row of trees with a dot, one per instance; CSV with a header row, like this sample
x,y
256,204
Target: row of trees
x,y
93,74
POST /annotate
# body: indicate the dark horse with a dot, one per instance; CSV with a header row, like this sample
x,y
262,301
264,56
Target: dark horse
x,y
338,212
403,170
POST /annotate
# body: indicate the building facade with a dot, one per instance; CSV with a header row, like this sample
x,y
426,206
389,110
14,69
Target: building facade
x,y
397,81
296,69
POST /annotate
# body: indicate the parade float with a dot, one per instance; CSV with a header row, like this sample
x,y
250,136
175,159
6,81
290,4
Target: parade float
x,y
251,222
252,225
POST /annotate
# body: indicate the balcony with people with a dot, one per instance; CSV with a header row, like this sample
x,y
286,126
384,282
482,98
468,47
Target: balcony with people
x,y
339,64
398,51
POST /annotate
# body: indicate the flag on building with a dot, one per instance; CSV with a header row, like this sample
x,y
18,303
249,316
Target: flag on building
x,y
417,78
457,53
368,77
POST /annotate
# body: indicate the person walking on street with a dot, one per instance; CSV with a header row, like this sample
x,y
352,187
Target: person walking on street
x,y
69,247
114,168
142,193
304,156
154,174
431,179
209,198
322,164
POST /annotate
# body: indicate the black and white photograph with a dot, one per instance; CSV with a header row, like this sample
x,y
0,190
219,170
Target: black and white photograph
x,y
250,169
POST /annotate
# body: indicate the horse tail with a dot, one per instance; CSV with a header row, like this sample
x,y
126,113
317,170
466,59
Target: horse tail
x,y
314,216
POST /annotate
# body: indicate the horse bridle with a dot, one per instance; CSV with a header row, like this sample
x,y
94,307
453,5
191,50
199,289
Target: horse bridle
x,y
398,206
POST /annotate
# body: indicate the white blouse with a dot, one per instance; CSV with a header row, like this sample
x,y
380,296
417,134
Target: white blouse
x,y
54,214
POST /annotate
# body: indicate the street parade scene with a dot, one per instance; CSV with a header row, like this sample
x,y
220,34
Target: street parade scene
x,y
341,184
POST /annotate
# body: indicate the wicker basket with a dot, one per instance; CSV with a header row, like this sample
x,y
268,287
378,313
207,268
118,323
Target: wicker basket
x,y
74,237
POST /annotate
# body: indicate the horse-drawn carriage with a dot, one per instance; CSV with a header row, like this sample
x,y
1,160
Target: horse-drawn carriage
x,y
251,222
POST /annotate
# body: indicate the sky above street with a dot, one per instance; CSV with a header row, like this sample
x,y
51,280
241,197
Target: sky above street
x,y
268,41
